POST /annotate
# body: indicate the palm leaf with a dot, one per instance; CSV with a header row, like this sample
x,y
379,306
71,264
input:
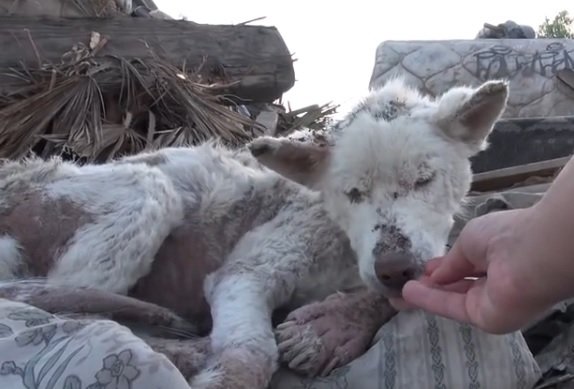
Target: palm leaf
x,y
98,108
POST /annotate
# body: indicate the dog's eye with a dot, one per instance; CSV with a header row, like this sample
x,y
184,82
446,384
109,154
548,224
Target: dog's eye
x,y
355,195
424,180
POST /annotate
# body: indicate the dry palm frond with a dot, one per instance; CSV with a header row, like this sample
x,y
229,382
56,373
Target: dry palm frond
x,y
97,108
97,8
314,117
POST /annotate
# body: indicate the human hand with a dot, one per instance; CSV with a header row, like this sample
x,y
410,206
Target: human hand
x,y
505,292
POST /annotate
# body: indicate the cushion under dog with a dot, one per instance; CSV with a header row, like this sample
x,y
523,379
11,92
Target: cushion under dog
x,y
40,350
423,351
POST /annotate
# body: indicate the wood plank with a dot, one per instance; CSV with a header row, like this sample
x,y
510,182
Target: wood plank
x,y
256,56
504,178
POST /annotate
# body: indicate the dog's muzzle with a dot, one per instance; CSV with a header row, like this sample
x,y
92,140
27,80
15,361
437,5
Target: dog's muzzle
x,y
394,269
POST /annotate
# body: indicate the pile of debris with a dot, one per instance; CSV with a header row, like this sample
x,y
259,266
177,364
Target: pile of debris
x,y
506,30
82,8
137,83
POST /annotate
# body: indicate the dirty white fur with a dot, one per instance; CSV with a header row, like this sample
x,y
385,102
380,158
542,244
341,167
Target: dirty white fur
x,y
10,257
275,241
135,207
392,140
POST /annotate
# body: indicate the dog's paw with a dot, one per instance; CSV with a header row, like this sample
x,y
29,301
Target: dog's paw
x,y
320,337
263,145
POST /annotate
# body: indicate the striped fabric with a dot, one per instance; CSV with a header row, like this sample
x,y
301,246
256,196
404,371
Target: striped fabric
x,y
422,351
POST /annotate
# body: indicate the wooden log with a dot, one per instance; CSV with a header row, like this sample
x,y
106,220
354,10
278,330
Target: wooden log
x,y
255,56
520,141
504,178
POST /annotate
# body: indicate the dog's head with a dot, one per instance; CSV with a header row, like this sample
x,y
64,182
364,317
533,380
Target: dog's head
x,y
393,173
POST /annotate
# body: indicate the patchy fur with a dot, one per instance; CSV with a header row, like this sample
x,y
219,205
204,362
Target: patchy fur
x,y
398,165
236,234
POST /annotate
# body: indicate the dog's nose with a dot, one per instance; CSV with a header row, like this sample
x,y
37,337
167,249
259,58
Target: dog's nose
x,y
394,269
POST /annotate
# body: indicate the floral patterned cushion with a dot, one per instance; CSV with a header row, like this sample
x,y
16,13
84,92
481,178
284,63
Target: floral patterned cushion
x,y
413,350
41,351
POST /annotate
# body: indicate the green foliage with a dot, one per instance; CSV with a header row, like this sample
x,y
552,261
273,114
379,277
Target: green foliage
x,y
560,27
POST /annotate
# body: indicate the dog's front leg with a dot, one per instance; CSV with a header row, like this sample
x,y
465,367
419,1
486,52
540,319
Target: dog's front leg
x,y
243,344
319,337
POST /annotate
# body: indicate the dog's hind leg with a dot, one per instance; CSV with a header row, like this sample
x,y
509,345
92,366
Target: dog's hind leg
x,y
82,302
132,208
188,355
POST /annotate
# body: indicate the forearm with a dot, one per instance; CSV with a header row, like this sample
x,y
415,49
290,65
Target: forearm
x,y
557,205
547,243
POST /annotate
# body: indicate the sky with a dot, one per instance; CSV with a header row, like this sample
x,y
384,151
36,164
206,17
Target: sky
x,y
335,45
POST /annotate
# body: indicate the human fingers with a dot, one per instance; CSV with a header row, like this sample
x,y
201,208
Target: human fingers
x,y
452,267
462,286
435,300
432,264
400,304
468,255
465,301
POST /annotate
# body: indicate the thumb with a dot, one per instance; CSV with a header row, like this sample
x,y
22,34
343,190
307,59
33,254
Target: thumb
x,y
455,265
435,300
467,257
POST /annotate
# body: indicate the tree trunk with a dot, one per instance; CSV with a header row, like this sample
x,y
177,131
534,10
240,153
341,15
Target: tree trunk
x,y
255,56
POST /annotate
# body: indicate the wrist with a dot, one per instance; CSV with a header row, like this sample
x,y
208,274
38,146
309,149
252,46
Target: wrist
x,y
544,253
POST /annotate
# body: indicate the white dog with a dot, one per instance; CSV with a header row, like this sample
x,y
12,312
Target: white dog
x,y
236,234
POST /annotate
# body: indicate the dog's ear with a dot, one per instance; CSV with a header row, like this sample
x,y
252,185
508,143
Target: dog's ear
x,y
468,115
297,161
